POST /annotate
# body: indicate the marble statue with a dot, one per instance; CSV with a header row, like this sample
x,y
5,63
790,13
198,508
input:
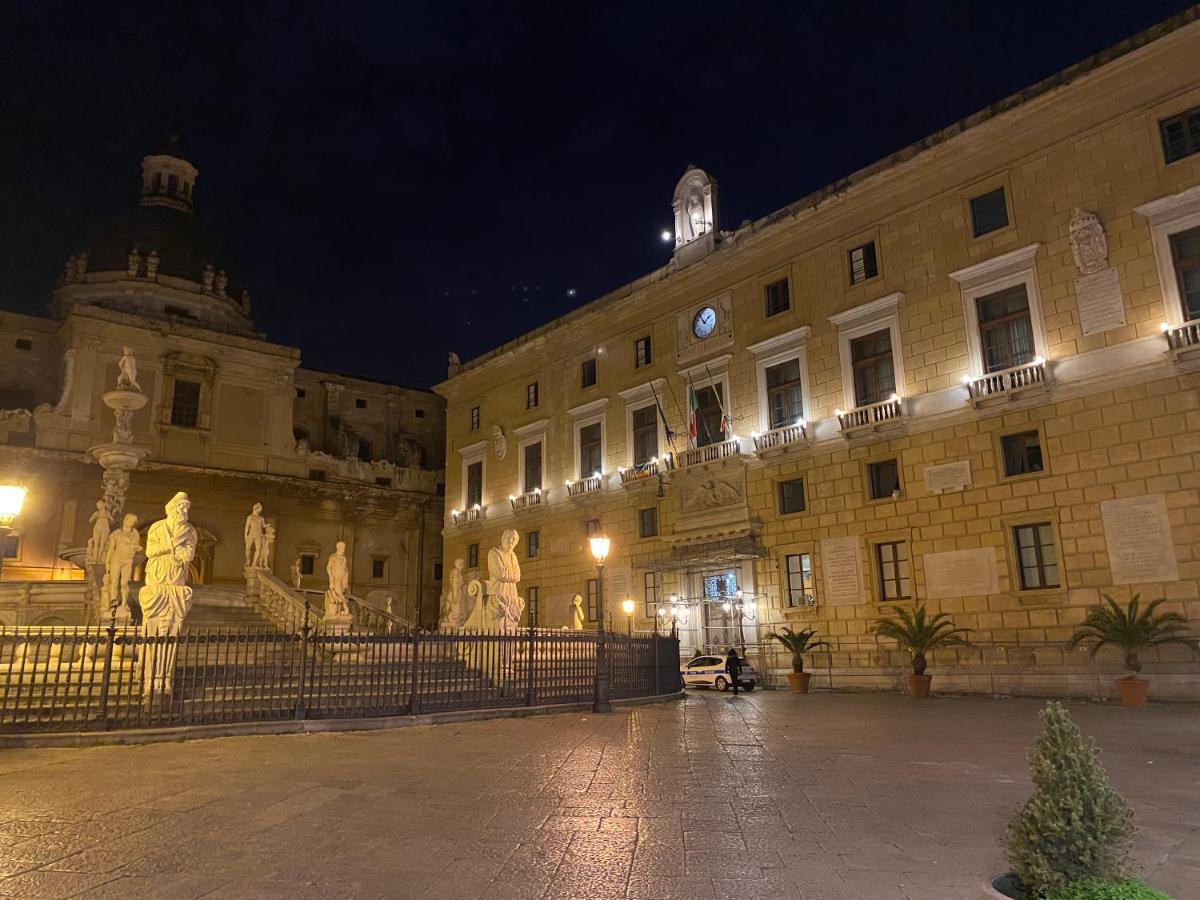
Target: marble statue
x,y
337,568
504,574
268,545
101,522
127,377
454,366
454,360
294,570
577,612
1089,245
409,453
166,599
245,303
152,264
695,213
135,262
499,442
222,283
452,608
253,535
206,280
123,547
68,382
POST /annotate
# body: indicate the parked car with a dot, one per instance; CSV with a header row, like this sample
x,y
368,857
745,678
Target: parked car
x,y
709,671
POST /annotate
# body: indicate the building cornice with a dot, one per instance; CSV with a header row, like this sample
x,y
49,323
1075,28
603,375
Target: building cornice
x,y
875,309
997,267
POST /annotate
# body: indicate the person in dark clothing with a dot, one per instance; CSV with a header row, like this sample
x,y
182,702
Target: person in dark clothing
x,y
733,668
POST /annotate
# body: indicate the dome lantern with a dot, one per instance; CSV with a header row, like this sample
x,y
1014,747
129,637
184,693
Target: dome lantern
x,y
168,179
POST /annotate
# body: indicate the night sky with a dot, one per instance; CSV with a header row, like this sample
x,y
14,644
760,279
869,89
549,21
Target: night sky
x,y
401,179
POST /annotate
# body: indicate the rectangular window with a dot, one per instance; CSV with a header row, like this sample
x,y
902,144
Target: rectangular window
x,y
593,600
645,435
533,543
533,467
185,403
710,416
1037,563
587,373
10,546
891,566
472,555
589,450
384,482
648,522
364,449
474,418
791,496
301,393
419,413
784,401
883,479
360,403
1022,453
378,568
777,296
641,352
874,371
24,344
800,589
1005,328
650,593
591,527
308,563
714,587
863,264
988,212
1185,253
531,396
1180,135
475,484
533,604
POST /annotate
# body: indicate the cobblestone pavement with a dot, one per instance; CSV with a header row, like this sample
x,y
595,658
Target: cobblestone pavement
x,y
769,795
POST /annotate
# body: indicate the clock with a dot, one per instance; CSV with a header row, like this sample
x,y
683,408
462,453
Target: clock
x,y
705,322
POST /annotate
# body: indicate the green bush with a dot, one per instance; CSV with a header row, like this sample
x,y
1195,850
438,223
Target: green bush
x,y
1074,826
1099,889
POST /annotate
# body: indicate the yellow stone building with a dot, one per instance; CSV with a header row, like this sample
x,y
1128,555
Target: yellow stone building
x,y
965,375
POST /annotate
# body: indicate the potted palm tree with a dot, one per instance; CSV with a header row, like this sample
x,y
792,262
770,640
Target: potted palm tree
x,y
920,634
797,643
1131,629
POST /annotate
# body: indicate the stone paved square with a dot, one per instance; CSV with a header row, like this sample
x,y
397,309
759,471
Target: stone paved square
x,y
824,797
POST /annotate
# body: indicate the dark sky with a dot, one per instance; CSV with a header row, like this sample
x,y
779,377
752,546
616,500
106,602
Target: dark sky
x,y
398,179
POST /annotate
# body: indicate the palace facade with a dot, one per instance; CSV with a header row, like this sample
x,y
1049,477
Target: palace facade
x,y
964,376
232,419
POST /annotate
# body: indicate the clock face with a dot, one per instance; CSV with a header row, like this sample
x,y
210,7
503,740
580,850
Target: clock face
x,y
705,322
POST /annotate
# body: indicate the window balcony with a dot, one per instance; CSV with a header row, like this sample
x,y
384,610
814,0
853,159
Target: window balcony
x,y
710,453
593,484
659,465
527,500
1183,341
1008,384
873,417
789,436
468,515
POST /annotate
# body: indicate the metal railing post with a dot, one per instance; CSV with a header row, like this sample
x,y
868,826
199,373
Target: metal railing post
x,y
413,705
529,686
106,677
657,668
301,683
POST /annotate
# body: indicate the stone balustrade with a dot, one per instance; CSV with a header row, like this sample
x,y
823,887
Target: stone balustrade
x,y
468,515
1183,340
871,417
593,484
648,469
710,453
779,438
527,500
1008,384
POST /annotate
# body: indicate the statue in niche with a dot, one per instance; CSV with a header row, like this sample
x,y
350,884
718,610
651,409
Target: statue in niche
x,y
499,442
294,570
253,534
409,453
577,616
123,547
101,522
454,366
452,608
504,574
170,547
127,376
1089,245
694,209
268,545
337,570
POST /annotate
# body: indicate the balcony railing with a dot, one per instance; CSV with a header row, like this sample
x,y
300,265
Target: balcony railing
x,y
709,453
1007,383
591,485
649,469
1182,340
466,516
527,500
778,438
871,417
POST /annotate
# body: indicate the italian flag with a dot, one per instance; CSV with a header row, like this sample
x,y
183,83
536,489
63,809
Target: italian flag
x,y
693,414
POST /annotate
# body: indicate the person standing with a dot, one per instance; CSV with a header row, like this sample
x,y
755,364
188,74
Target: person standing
x,y
733,668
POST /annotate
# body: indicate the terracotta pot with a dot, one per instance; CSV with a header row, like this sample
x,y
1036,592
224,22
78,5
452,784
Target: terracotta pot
x,y
798,682
1133,691
918,685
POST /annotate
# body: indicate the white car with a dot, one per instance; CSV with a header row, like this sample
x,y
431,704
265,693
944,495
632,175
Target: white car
x,y
709,671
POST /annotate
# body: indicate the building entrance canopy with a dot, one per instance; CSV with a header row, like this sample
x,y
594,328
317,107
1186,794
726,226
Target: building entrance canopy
x,y
685,558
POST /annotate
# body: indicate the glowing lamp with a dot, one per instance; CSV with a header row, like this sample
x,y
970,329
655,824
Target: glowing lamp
x,y
12,498
662,611
967,379
599,546
1039,360
894,397
627,607
1164,327
838,413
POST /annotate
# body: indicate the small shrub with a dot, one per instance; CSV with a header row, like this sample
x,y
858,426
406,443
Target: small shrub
x,y
1099,889
1074,826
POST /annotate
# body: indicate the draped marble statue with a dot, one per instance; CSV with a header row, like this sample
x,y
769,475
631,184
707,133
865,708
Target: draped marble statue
x,y
455,606
254,534
124,545
165,599
504,574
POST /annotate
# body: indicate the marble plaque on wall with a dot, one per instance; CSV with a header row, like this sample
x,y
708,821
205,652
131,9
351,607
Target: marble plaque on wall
x,y
1101,307
1138,534
843,571
961,573
948,477
618,584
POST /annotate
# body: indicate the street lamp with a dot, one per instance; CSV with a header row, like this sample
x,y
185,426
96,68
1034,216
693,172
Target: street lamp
x,y
12,498
627,608
600,545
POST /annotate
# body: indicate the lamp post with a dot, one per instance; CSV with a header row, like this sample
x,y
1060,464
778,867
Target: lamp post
x,y
601,694
12,498
627,608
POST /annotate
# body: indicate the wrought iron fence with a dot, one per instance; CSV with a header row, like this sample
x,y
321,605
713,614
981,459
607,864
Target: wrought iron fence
x,y
109,678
